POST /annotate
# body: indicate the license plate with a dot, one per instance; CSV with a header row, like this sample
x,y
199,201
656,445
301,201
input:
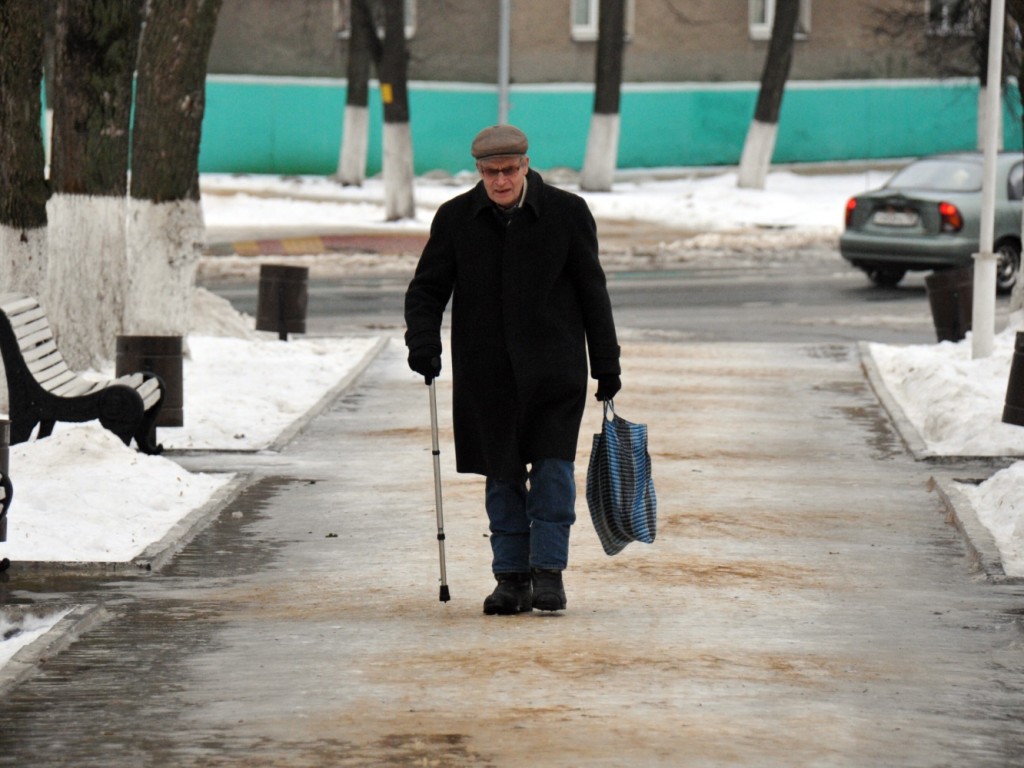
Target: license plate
x,y
895,218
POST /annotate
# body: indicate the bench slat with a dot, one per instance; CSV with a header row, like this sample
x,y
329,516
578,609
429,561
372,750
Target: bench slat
x,y
26,317
46,361
32,328
74,388
133,380
40,351
45,373
10,296
37,338
150,392
147,386
15,303
55,383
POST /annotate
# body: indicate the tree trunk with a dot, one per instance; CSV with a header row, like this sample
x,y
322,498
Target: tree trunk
x,y
398,155
96,46
364,47
23,187
603,140
165,222
760,143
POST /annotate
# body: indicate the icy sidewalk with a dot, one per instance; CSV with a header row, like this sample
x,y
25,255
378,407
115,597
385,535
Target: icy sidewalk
x,y
805,602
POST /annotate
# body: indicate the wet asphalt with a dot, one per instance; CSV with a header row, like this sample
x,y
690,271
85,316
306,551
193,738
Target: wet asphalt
x,y
807,602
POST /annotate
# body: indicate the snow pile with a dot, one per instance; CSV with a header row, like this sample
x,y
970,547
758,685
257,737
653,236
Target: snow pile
x,y
81,495
1000,507
955,402
16,635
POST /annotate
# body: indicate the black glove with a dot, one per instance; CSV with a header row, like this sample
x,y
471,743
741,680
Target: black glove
x,y
607,387
426,361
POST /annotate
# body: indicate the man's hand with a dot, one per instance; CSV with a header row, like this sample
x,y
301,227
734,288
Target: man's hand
x,y
608,387
426,361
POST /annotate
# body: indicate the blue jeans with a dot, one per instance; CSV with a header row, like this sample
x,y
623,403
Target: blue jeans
x,y
530,519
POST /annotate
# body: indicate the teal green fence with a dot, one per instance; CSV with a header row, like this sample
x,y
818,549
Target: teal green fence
x,y
293,126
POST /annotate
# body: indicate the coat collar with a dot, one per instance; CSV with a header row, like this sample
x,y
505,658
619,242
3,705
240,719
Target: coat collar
x,y
534,183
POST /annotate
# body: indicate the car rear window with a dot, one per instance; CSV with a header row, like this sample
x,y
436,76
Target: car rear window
x,y
939,175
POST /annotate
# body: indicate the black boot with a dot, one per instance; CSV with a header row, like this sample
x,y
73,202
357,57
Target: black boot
x,y
548,592
514,594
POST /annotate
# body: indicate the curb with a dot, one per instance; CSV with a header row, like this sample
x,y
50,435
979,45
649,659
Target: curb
x,y
365,242
904,428
159,553
26,661
298,426
909,435
981,546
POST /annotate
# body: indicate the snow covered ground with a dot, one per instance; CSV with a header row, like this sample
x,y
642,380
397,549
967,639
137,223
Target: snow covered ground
x,y
94,485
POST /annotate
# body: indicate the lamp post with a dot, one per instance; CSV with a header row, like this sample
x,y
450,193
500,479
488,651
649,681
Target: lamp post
x,y
504,33
984,312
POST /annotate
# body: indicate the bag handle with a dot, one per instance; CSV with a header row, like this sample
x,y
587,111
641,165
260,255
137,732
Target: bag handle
x,y
609,405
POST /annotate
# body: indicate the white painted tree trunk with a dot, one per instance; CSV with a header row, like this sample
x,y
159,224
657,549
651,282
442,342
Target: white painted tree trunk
x,y
86,275
48,139
398,172
354,144
165,241
756,159
983,120
22,270
602,153
23,260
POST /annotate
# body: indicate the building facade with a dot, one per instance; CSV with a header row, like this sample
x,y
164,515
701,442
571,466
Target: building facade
x,y
691,73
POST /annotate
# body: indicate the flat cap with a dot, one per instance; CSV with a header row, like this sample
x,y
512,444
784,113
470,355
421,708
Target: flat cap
x,y
498,141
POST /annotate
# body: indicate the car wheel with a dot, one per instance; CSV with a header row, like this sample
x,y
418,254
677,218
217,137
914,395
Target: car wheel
x,y
885,278
1007,265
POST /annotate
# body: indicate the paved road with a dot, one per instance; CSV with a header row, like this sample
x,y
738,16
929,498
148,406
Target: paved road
x,y
821,300
805,604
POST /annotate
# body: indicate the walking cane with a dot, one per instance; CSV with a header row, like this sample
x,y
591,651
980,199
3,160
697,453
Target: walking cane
x,y
444,596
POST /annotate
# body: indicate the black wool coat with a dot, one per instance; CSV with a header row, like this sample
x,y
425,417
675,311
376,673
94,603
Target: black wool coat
x,y
529,304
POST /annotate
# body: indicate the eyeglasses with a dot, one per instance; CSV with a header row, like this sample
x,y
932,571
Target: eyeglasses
x,y
508,171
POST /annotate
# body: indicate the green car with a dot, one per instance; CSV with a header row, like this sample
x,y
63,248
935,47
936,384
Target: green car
x,y
928,217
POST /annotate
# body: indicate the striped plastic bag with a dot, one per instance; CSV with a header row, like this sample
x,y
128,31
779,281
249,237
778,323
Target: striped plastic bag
x,y
620,489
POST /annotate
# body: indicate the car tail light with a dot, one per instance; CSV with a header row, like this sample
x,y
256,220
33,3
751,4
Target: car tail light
x,y
851,204
950,218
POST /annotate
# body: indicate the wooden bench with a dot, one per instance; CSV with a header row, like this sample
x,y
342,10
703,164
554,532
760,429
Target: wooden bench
x,y
43,390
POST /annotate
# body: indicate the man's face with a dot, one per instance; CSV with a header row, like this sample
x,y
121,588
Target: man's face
x,y
504,177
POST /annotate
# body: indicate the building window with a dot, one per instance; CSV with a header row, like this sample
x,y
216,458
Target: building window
x,y
343,18
583,19
951,18
762,14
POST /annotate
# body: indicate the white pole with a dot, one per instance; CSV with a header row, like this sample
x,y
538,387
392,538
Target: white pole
x,y
503,59
983,313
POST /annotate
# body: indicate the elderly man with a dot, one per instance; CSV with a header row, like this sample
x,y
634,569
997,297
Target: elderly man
x,y
518,258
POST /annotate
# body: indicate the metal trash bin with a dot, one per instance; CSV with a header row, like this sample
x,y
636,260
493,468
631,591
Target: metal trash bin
x,y
282,300
5,480
1013,409
160,355
951,297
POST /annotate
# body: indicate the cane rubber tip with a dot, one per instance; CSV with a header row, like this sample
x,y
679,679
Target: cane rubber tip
x,y
445,597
